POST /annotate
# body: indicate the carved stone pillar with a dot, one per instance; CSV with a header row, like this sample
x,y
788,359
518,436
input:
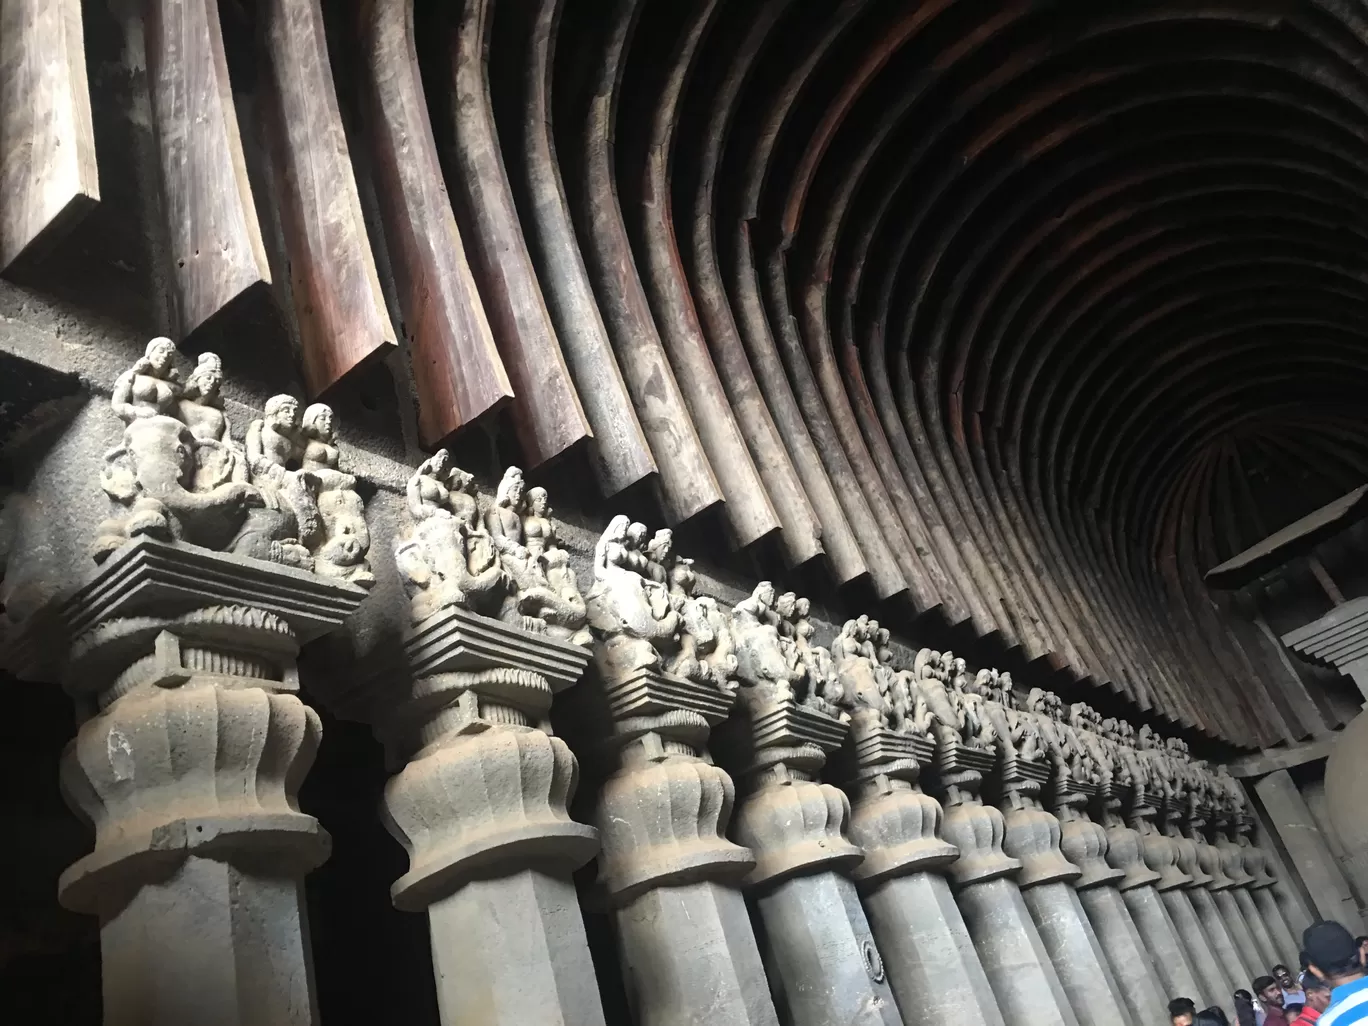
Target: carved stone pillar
x,y
1209,912
188,760
1126,852
216,564
1084,843
1259,867
479,803
1254,954
667,872
1019,967
919,926
1033,836
1202,950
921,933
498,628
822,960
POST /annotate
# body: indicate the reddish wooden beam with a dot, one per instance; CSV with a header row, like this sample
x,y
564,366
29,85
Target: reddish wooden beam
x,y
621,454
48,178
458,374
340,311
547,411
217,256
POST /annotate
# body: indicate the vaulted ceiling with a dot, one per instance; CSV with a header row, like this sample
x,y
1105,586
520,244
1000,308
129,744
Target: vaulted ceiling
x,y
1052,306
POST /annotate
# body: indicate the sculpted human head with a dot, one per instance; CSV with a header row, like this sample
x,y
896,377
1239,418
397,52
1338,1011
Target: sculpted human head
x,y
660,546
160,354
636,534
510,487
283,411
206,378
785,605
764,594
802,608
318,421
538,503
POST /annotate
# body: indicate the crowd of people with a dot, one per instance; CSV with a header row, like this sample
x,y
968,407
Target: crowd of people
x,y
1330,990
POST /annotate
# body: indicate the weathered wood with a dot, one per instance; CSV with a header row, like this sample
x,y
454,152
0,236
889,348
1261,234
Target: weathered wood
x,y
749,511
621,454
547,410
48,178
458,374
216,252
341,314
687,483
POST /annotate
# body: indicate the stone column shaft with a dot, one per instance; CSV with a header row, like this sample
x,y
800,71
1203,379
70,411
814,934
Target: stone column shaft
x,y
921,931
480,806
815,941
1214,924
689,957
209,944
1084,843
823,963
513,949
1308,850
1263,939
1014,957
1240,934
1034,836
188,765
1272,913
1136,976
1216,985
1161,938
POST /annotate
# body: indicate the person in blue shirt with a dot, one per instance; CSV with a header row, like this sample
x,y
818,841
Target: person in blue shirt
x,y
1333,955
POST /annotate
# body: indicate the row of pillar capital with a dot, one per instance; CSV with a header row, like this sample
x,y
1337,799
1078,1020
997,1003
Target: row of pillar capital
x,y
768,813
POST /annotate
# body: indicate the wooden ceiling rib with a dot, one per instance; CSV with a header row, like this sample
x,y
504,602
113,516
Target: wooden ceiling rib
x,y
1012,315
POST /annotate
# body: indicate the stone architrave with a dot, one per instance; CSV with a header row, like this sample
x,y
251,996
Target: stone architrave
x,y
216,565
1014,956
1082,777
668,875
1033,835
479,799
822,960
921,933
1126,851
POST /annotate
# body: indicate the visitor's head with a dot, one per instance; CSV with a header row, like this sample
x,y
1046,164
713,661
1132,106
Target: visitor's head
x,y
1270,994
1284,977
1362,943
1317,992
1182,1011
1332,953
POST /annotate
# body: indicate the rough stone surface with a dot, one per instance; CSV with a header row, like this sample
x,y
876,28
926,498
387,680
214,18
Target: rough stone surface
x,y
1132,967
